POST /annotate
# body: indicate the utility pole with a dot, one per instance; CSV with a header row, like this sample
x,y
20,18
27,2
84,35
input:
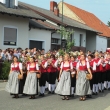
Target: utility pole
x,y
62,22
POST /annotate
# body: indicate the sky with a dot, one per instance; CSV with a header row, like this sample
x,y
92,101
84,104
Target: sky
x,y
101,8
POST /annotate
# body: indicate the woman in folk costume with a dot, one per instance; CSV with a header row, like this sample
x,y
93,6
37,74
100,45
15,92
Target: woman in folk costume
x,y
13,81
64,85
73,75
92,68
102,73
22,81
43,78
58,64
96,74
51,69
30,86
107,61
82,83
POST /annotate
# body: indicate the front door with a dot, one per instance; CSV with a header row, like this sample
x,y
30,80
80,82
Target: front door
x,y
35,44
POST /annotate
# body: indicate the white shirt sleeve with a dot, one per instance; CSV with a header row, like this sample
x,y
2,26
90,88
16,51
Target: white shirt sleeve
x,y
56,63
99,62
61,65
45,65
104,65
94,66
88,65
28,67
20,66
37,66
77,66
71,66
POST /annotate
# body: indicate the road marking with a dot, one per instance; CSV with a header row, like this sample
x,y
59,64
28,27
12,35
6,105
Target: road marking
x,y
107,108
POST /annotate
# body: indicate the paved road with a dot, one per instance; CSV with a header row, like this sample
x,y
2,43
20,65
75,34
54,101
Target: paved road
x,y
53,102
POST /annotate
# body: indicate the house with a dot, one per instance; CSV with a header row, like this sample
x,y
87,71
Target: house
x,y
15,27
53,17
27,26
94,42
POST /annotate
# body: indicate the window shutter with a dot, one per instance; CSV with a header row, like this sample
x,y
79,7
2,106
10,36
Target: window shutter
x,y
10,34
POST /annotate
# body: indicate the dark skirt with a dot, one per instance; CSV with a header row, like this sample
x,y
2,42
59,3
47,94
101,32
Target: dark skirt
x,y
52,78
73,81
42,80
21,84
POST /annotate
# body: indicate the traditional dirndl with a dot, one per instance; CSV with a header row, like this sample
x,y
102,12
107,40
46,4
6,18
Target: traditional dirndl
x,y
30,86
12,85
82,84
64,85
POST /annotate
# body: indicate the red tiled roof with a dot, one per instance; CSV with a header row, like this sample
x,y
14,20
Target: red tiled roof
x,y
91,20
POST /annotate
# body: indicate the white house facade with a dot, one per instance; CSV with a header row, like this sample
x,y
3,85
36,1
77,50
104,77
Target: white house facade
x,y
41,38
101,43
13,32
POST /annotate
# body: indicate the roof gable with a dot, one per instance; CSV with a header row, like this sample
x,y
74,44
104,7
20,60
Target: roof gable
x,y
91,20
49,15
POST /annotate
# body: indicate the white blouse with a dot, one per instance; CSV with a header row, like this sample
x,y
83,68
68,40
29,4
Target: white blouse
x,y
37,66
79,64
66,65
15,65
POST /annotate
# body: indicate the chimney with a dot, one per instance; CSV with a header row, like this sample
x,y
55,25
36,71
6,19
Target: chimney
x,y
56,12
53,5
2,1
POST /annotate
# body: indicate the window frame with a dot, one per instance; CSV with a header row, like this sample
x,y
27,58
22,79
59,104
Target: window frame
x,y
9,43
54,40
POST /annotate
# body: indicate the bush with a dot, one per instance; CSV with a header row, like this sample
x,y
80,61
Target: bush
x,y
5,70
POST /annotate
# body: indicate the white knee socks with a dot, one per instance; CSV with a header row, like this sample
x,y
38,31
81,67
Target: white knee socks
x,y
50,87
72,90
41,90
99,86
94,88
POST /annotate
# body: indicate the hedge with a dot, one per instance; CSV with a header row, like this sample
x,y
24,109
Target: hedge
x,y
5,70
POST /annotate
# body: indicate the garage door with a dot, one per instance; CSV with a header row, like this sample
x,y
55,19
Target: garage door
x,y
35,44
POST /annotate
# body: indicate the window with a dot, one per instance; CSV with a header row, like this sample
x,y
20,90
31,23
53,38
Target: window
x,y
10,36
80,40
54,40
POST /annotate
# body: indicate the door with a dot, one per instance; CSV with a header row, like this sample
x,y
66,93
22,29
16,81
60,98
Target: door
x,y
35,44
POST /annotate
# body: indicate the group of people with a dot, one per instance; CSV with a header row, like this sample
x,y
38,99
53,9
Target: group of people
x,y
65,75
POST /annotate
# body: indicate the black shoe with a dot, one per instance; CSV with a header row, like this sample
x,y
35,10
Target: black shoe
x,y
53,92
24,94
49,92
100,91
105,88
72,95
46,89
40,94
109,89
89,96
93,93
96,93
14,97
43,95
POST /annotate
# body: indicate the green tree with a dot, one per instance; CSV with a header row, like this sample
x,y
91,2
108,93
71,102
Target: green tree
x,y
108,23
66,34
